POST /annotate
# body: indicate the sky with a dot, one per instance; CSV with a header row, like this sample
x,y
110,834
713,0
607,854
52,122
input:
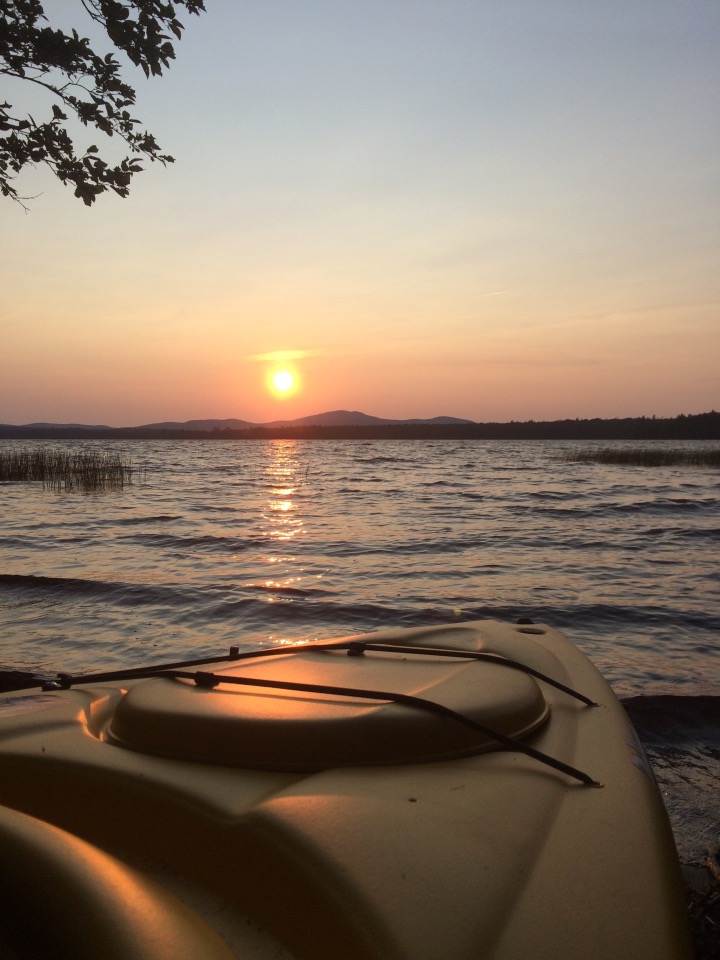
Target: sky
x,y
495,211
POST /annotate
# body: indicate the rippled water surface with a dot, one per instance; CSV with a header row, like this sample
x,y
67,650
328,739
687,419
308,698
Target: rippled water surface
x,y
253,542
291,540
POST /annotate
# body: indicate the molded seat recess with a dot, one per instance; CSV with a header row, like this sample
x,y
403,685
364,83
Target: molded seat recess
x,y
304,731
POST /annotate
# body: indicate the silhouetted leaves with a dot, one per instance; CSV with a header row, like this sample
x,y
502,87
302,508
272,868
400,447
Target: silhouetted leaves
x,y
85,86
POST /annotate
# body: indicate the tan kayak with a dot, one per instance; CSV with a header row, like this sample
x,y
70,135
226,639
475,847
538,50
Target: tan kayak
x,y
447,793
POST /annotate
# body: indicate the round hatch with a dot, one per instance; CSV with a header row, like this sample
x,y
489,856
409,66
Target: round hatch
x,y
285,729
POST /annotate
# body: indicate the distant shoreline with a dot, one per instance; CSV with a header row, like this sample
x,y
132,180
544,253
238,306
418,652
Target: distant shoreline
x,y
702,426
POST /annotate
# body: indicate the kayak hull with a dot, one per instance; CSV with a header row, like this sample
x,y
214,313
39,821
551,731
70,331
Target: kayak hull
x,y
316,824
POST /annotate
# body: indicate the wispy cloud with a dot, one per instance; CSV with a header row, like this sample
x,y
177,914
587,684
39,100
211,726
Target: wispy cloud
x,y
283,356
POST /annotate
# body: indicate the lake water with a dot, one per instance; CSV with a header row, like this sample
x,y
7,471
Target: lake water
x,y
258,542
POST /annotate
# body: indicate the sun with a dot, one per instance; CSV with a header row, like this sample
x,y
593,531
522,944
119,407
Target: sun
x,y
283,381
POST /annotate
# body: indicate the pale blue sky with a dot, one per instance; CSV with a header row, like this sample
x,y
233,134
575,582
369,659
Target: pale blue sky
x,y
494,211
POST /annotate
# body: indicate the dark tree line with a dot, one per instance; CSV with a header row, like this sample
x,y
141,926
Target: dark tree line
x,y
85,86
701,426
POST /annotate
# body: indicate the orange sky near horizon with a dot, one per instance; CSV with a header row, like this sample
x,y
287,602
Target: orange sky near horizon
x,y
495,213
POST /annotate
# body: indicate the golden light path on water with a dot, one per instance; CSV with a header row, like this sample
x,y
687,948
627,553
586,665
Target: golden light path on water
x,y
281,519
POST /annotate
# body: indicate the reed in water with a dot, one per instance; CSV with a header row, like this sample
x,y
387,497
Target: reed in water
x,y
84,470
643,457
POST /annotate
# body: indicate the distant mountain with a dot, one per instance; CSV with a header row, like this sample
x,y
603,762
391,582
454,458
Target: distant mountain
x,y
199,425
352,418
65,426
334,418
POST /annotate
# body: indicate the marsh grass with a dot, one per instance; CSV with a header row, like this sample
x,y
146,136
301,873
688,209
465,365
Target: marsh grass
x,y
84,471
640,457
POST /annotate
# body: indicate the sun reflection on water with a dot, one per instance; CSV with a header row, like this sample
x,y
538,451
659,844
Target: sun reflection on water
x,y
281,473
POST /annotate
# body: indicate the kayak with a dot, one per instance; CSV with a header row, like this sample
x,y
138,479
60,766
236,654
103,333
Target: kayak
x,y
465,792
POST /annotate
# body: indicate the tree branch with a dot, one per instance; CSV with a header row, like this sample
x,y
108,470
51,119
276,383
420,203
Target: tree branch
x,y
31,51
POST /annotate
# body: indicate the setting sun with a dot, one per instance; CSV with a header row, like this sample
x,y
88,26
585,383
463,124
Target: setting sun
x,y
283,381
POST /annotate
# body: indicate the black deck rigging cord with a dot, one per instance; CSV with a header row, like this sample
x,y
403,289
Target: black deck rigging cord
x,y
64,681
210,680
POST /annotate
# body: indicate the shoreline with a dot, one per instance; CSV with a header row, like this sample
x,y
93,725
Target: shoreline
x,y
703,426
